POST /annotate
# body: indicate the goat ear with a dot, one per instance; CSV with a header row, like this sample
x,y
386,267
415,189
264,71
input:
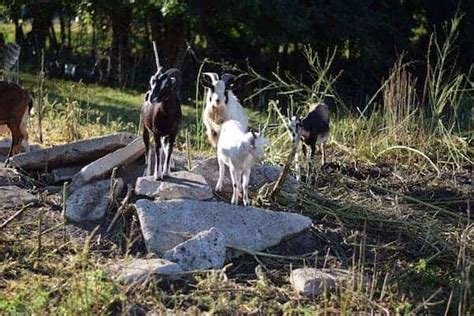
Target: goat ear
x,y
214,77
228,79
206,82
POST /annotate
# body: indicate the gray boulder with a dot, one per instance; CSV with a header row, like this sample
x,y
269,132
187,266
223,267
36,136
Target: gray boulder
x,y
104,165
139,270
91,202
260,175
166,224
12,197
81,152
180,185
206,250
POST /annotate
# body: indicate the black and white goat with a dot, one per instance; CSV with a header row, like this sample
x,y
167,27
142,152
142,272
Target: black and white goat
x,y
161,115
314,130
221,105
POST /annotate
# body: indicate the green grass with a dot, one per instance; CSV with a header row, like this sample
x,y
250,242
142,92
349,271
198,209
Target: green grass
x,y
419,232
392,203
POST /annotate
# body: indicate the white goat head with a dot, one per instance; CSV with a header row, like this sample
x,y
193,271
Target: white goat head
x,y
218,89
257,144
295,124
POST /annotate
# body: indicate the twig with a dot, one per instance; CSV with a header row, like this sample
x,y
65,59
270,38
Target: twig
x,y
426,302
8,221
121,208
188,150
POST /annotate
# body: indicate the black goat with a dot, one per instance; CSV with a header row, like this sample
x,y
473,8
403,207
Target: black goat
x,y
161,116
314,129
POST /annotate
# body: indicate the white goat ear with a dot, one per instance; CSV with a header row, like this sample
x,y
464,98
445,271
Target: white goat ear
x,y
214,77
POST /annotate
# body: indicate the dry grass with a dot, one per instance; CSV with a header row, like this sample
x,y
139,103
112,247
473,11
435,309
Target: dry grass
x,y
392,205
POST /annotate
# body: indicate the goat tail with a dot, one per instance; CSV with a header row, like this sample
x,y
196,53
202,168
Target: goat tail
x,y
30,104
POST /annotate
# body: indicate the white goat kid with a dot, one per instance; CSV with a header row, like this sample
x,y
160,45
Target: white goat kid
x,y
239,150
221,105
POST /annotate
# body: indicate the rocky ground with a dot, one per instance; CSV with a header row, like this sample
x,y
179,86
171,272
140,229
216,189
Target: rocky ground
x,y
359,231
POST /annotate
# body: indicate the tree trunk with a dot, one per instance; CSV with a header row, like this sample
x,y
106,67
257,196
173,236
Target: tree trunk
x,y
62,26
121,55
40,27
19,35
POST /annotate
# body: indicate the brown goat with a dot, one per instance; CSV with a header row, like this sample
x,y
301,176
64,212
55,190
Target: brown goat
x,y
161,116
15,106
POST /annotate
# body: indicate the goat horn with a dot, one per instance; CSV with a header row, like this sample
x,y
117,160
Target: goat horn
x,y
214,77
170,72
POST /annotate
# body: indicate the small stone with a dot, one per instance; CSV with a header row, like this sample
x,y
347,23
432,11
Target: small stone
x,y
313,282
179,185
139,270
206,250
91,202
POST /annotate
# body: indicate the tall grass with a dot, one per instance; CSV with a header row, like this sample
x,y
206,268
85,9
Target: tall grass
x,y
406,120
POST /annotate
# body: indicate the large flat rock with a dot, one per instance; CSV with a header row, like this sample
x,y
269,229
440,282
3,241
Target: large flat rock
x,y
104,165
139,270
260,175
12,197
80,152
206,250
91,202
179,185
165,224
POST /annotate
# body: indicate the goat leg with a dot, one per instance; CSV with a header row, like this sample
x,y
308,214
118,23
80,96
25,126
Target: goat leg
x,y
221,174
306,164
24,132
323,154
169,142
158,168
312,167
245,184
17,138
148,154
235,185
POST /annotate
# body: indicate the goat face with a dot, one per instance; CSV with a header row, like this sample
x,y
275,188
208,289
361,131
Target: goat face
x,y
257,144
162,86
218,89
295,124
